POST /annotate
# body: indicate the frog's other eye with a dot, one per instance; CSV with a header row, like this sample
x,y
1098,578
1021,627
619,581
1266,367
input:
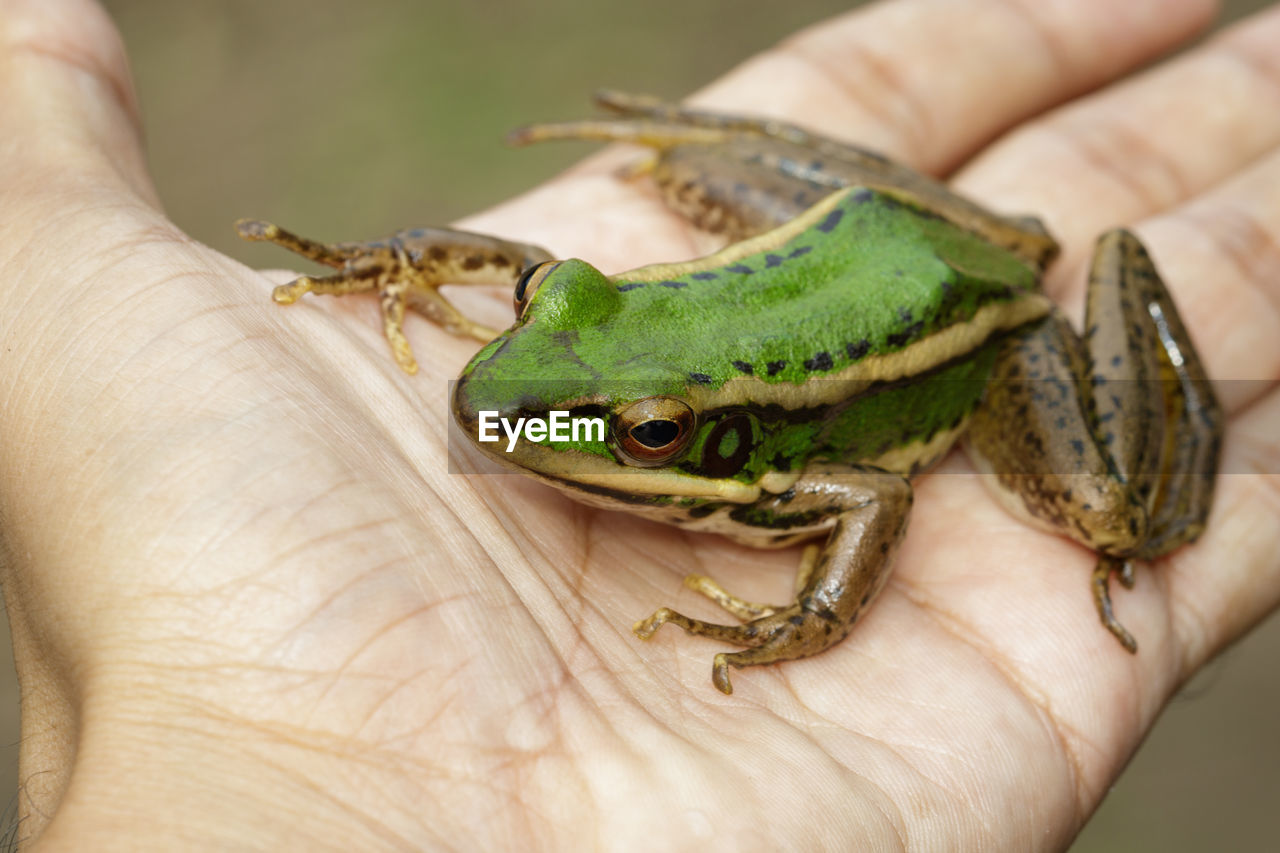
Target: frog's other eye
x,y
653,431
529,283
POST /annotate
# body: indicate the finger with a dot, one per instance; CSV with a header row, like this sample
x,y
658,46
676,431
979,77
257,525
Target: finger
x,y
896,77
1142,146
1230,579
929,81
67,101
1220,255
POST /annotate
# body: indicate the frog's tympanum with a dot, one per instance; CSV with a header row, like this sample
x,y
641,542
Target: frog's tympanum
x,y
862,320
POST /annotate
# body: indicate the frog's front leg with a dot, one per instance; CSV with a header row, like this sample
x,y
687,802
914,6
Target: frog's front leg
x,y
406,270
870,509
1112,440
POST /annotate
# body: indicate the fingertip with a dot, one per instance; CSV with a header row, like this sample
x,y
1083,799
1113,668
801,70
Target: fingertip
x,y
932,81
66,90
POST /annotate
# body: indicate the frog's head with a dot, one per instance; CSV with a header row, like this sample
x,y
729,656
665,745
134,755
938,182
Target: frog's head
x,y
578,393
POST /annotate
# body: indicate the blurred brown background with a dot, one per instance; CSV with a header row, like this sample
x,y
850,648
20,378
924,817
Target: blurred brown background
x,y
345,122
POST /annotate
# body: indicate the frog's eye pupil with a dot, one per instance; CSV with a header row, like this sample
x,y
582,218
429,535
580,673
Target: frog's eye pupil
x,y
528,284
656,433
653,431
523,283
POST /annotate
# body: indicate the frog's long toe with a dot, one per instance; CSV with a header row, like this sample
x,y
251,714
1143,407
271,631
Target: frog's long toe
x,y
338,284
741,608
261,231
1102,596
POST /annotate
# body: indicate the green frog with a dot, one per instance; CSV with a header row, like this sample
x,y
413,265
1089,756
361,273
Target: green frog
x,y
862,320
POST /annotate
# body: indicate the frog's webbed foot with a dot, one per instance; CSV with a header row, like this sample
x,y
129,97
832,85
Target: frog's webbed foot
x,y
406,270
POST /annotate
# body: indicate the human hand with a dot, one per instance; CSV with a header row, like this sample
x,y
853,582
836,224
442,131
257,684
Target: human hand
x,y
250,605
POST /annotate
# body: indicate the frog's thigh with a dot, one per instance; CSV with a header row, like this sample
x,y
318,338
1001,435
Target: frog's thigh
x,y
1112,440
1037,440
1131,320
871,509
1033,436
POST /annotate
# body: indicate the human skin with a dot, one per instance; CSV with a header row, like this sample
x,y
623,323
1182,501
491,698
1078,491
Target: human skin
x,y
251,607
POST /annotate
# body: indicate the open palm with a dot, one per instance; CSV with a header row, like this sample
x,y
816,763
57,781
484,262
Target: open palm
x,y
254,601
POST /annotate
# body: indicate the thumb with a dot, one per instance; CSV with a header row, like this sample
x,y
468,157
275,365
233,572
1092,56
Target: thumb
x,y
67,104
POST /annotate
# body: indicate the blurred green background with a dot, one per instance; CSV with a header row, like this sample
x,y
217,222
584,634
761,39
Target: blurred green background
x,y
345,120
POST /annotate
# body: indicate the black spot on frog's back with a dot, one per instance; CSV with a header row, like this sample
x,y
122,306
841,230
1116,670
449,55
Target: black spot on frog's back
x,y
901,338
832,219
820,361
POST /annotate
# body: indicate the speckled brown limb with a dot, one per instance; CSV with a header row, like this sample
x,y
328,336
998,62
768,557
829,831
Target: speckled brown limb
x,y
871,509
406,270
741,175
1111,439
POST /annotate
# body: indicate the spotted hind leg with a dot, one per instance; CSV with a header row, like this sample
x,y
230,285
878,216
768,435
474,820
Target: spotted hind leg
x,y
1112,439
739,176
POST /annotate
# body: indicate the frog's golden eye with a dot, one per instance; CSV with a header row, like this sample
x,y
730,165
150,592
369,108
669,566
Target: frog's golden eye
x,y
653,431
529,283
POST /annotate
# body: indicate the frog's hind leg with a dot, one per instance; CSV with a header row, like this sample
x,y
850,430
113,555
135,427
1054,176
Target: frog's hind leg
x,y
836,587
739,176
1113,439
703,171
1186,467
1146,373
406,270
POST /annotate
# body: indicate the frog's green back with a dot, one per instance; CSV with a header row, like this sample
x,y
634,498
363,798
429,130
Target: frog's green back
x,y
866,286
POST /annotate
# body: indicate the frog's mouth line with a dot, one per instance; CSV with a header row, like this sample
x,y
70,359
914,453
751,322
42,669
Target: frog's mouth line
x,y
569,468
574,469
